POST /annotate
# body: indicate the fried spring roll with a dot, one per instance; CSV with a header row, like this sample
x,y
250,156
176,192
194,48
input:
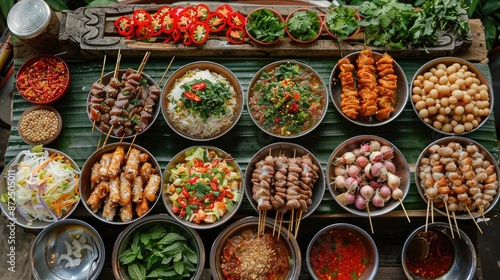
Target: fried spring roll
x,y
114,189
125,190
97,196
132,165
104,164
137,189
151,189
126,213
109,210
146,171
94,173
116,162
142,207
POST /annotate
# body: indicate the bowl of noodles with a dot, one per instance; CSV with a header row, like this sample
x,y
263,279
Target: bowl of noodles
x,y
202,101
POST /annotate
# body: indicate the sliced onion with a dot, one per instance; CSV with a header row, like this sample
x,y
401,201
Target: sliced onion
x,y
28,214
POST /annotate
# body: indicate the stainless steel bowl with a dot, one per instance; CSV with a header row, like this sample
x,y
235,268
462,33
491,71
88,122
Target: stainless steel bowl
x,y
50,245
464,263
402,171
448,61
462,214
400,98
86,185
215,69
289,150
251,223
125,239
370,246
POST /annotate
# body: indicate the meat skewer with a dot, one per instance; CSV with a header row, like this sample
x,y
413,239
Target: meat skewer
x,y
349,96
387,85
367,83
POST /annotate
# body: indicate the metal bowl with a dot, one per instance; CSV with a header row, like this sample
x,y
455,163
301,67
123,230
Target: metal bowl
x,y
251,223
400,98
125,239
219,73
289,150
462,214
37,62
105,81
86,187
49,247
402,171
370,246
259,115
464,255
169,182
8,187
37,126
432,117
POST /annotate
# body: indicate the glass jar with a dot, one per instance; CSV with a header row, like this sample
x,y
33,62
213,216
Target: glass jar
x,y
34,24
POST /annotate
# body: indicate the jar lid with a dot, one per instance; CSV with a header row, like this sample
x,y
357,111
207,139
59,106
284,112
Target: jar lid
x,y
28,18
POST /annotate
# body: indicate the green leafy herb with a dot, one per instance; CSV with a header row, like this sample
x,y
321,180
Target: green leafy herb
x,y
265,26
341,21
160,253
304,25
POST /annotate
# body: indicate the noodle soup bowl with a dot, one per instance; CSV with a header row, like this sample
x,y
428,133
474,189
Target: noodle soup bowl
x,y
197,111
286,248
19,195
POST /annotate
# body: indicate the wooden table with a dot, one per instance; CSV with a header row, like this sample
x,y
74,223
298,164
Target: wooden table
x,y
245,139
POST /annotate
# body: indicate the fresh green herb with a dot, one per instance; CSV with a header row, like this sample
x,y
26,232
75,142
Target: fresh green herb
x,y
304,25
341,21
265,26
160,253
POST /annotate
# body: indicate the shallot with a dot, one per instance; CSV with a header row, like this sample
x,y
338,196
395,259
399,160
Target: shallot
x,y
362,161
353,170
366,191
340,182
376,156
360,202
379,171
393,181
397,193
389,165
377,200
350,197
387,152
385,191
374,145
351,184
348,158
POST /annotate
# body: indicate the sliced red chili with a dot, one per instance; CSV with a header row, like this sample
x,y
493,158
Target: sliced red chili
x,y
124,26
216,22
185,20
144,31
156,24
169,22
199,86
192,96
186,38
141,16
236,19
236,35
202,12
199,32
163,10
224,9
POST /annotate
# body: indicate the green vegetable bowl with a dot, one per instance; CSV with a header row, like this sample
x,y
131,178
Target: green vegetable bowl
x,y
181,254
342,23
304,25
265,26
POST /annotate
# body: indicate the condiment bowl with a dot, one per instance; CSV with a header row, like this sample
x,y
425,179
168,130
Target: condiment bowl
x,y
203,187
40,125
455,248
164,227
306,15
264,14
67,249
133,115
347,153
246,229
288,115
477,200
200,125
43,79
462,99
289,151
359,251
96,190
18,206
400,97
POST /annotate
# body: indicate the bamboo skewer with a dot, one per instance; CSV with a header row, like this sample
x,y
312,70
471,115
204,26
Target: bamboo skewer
x,y
99,142
117,66
449,220
369,216
404,209
456,224
132,143
165,73
298,224
143,63
427,214
107,136
474,220
100,82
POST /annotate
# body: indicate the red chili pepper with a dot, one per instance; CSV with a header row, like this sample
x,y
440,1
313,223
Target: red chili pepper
x,y
193,180
214,186
202,12
185,192
224,9
141,16
199,86
296,96
144,31
182,202
157,27
215,162
216,22
229,194
236,19
163,10
169,22
182,213
176,209
192,96
185,20
236,35
199,32
197,162
186,38
124,26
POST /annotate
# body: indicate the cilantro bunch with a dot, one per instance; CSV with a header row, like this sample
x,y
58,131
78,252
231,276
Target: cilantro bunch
x,y
265,26
341,21
304,25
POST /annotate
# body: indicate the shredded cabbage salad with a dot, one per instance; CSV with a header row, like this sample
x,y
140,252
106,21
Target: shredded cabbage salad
x,y
46,185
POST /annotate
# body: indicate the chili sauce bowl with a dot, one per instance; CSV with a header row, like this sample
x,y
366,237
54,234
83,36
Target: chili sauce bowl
x,y
220,203
67,249
193,256
189,123
400,96
247,228
289,151
364,257
455,250
125,211
282,116
40,125
339,160
45,88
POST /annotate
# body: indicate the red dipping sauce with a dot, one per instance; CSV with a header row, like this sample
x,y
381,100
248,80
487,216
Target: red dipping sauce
x,y
439,259
339,254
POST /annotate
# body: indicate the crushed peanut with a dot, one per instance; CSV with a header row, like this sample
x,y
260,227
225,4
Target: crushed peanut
x,y
38,125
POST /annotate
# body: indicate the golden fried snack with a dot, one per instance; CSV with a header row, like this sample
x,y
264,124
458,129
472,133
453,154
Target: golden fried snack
x,y
367,83
125,190
387,85
116,162
349,96
132,165
151,189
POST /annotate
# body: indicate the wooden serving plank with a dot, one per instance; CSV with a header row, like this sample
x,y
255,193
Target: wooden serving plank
x,y
92,29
